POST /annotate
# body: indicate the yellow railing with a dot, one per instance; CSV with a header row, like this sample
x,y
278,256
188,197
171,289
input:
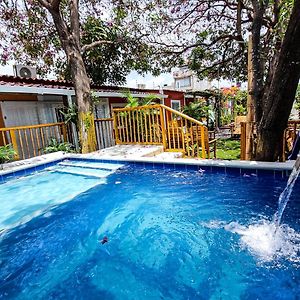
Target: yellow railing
x,y
29,141
138,125
160,124
104,133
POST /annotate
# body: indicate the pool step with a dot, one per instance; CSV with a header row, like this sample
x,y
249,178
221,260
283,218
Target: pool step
x,y
83,171
91,165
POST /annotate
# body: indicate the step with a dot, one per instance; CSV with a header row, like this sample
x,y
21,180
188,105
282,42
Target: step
x,y
82,171
91,165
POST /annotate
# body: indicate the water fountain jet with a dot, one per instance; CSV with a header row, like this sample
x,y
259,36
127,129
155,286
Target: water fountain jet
x,y
285,195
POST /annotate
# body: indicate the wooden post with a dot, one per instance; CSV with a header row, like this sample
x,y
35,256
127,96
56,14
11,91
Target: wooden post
x,y
64,132
116,128
203,142
14,143
2,125
250,106
163,127
243,140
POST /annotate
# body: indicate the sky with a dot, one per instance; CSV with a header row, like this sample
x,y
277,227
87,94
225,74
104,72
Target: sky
x,y
151,82
132,79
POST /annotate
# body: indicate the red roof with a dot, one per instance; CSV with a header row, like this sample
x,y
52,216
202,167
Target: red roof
x,y
6,80
34,82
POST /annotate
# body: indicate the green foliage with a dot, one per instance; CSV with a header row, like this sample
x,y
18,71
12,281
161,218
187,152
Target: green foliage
x,y
7,153
30,37
196,110
226,119
134,102
240,103
228,149
70,114
238,99
108,62
55,146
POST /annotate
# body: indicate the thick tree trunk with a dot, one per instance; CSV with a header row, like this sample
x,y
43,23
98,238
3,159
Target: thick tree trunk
x,y
70,40
86,125
279,96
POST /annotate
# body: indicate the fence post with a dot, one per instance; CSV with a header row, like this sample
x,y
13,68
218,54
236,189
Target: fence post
x,y
163,127
64,132
203,142
14,143
243,140
116,128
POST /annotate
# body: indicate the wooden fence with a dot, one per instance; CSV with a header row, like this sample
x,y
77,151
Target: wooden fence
x,y
104,133
288,139
30,141
148,125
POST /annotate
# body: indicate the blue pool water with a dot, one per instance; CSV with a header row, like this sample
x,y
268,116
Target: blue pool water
x,y
171,235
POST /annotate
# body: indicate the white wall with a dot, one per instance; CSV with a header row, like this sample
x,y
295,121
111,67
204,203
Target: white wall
x,y
18,113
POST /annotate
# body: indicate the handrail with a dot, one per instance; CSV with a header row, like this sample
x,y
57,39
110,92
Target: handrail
x,y
137,107
181,114
31,126
162,125
103,119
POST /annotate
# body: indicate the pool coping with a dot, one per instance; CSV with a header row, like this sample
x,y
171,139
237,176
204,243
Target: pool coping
x,y
40,162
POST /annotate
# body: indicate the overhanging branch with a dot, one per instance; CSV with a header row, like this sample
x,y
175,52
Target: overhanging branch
x,y
94,45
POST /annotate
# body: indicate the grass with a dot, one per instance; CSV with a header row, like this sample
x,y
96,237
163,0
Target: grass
x,y
228,149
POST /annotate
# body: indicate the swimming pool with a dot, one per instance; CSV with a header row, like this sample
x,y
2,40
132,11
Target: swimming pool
x,y
172,234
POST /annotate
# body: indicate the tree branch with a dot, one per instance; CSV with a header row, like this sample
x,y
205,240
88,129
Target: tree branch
x,y
94,44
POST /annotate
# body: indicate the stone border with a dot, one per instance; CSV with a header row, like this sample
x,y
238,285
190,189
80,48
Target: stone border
x,y
22,165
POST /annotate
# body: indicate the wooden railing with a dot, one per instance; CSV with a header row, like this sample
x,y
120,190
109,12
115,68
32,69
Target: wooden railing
x,y
288,139
29,141
138,125
162,125
104,133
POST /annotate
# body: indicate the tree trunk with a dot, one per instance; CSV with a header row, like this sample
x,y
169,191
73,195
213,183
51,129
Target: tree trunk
x,y
280,94
70,40
86,125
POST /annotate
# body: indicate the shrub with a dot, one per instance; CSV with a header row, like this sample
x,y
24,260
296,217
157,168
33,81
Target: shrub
x,y
55,146
7,153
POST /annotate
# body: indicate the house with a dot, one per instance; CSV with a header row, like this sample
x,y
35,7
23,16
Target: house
x,y
31,101
185,79
28,101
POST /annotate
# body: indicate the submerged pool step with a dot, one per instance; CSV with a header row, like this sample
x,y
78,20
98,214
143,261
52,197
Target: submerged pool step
x,y
91,165
83,171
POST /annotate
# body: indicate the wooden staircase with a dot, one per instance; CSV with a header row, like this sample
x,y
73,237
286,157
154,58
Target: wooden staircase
x,y
161,125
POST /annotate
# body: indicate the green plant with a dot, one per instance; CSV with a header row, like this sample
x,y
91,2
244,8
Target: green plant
x,y
196,110
7,153
226,119
134,102
240,110
228,149
70,114
55,146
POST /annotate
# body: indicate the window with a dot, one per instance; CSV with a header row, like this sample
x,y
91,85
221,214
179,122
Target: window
x,y
102,109
183,82
175,104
